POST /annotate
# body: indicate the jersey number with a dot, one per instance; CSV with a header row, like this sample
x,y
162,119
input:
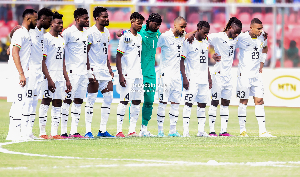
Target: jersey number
x,y
29,93
188,97
47,95
127,96
215,95
230,51
240,94
161,97
202,59
255,55
20,97
105,50
139,53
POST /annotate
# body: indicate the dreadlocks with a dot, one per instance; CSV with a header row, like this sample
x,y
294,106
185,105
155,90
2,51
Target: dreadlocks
x,y
153,17
233,20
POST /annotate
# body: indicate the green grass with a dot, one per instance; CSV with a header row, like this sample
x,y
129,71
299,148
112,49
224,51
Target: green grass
x,y
119,157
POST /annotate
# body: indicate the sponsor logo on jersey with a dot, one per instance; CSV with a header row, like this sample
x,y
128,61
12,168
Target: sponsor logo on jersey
x,y
285,87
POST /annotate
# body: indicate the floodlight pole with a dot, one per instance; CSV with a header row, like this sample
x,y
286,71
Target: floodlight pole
x,y
282,37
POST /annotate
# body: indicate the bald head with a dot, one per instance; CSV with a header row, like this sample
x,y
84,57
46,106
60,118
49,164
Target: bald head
x,y
178,20
179,26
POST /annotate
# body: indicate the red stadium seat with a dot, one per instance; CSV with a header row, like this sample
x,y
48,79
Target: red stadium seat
x,y
170,17
4,31
12,24
220,18
118,16
2,22
193,18
245,18
127,16
145,15
288,63
268,18
296,32
279,18
163,28
292,19
191,27
259,16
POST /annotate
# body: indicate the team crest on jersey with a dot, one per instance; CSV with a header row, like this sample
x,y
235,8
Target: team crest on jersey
x,y
53,45
127,40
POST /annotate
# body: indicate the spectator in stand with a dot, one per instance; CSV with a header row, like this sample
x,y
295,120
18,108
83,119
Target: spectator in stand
x,y
293,53
3,12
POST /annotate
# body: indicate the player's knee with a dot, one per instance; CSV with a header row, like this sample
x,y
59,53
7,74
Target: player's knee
x,y
57,103
46,101
215,103
189,104
78,101
259,102
201,105
108,97
136,102
68,101
225,102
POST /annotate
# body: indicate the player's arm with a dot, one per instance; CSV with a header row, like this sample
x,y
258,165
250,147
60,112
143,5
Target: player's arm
x,y
190,36
209,79
120,32
109,68
13,30
263,58
119,68
51,84
16,58
182,69
91,76
68,83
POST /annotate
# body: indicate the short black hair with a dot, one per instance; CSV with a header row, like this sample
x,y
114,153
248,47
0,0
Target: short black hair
x,y
79,12
177,19
28,11
233,20
203,24
57,15
153,17
98,10
256,20
136,16
45,11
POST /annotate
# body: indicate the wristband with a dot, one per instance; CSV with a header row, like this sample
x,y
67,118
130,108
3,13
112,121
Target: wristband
x,y
263,57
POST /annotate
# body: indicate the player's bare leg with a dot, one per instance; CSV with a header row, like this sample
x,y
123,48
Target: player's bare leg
x,y
212,113
43,110
242,116
161,117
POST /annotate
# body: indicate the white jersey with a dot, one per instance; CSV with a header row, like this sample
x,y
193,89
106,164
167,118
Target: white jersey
x,y
37,38
171,50
225,47
130,46
76,50
54,52
196,60
21,39
250,54
99,50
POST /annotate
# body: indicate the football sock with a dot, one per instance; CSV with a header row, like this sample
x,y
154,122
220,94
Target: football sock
x,y
120,116
64,117
186,117
105,110
26,115
161,116
224,114
75,114
174,112
242,116
43,118
212,112
143,128
15,115
91,98
134,115
260,116
201,119
55,114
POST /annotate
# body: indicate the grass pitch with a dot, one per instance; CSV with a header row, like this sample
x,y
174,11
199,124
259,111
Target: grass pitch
x,y
221,156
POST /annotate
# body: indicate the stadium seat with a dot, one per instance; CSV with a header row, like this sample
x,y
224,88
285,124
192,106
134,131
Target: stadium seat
x,y
292,19
268,18
145,15
191,27
220,18
259,16
193,18
245,18
288,63
2,22
296,32
127,16
118,16
163,27
4,31
171,17
279,18
12,24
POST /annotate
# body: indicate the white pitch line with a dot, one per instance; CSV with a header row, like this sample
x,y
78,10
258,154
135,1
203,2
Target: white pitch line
x,y
157,162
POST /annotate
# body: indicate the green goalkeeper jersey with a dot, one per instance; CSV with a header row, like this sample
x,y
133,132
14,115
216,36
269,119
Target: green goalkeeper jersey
x,y
149,44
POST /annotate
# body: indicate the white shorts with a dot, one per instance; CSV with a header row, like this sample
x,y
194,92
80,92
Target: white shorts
x,y
103,84
79,86
169,90
196,93
35,83
221,87
16,93
59,93
249,87
134,90
102,74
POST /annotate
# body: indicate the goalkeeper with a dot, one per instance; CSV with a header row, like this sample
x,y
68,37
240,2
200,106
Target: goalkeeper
x,y
150,35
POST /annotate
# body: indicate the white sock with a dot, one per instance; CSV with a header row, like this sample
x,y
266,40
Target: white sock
x,y
212,112
120,116
143,128
260,116
242,113
224,114
25,124
186,114
201,119
64,117
43,110
105,110
174,112
15,115
55,114
161,112
134,115
32,113
75,114
91,98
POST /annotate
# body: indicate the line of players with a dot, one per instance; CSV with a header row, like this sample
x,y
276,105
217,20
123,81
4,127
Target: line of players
x,y
76,61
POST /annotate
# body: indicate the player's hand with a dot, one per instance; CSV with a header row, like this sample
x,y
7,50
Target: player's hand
x,y
8,51
122,81
51,86
216,57
185,83
93,79
191,38
260,70
111,73
22,80
69,87
265,35
210,83
120,33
